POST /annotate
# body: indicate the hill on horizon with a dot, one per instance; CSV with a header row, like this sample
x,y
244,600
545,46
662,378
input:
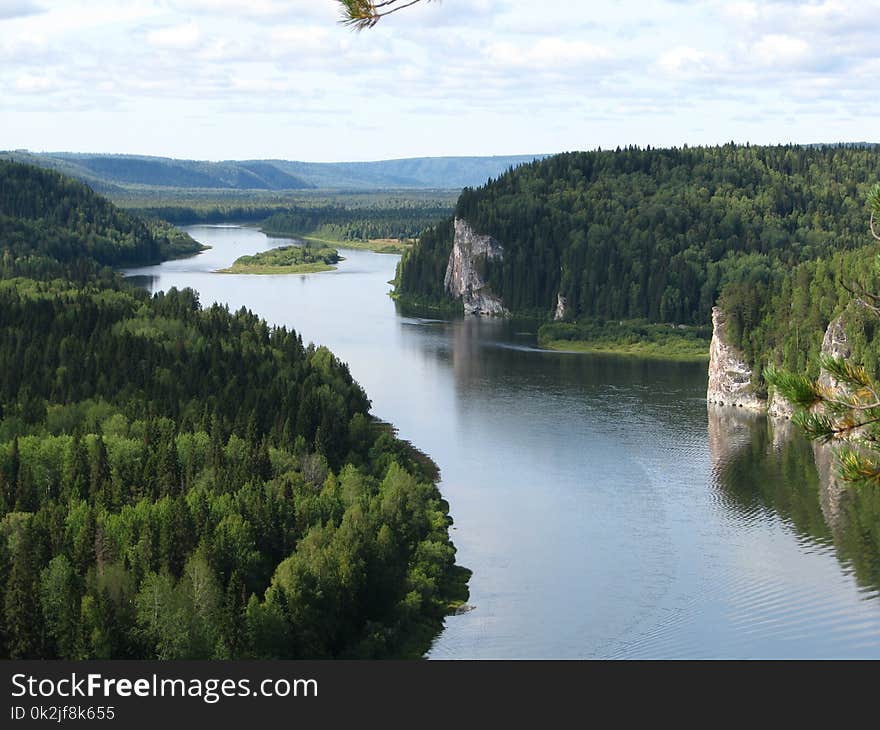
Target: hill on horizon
x,y
120,173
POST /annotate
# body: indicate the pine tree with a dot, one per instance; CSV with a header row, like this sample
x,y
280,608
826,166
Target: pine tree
x,y
24,625
26,498
60,599
10,478
233,628
76,479
168,475
101,486
218,453
175,536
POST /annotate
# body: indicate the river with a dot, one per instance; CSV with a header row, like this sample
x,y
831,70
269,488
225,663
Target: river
x,y
603,511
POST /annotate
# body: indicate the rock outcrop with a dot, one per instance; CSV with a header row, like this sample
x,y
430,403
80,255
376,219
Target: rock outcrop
x,y
561,304
730,377
778,406
835,344
465,271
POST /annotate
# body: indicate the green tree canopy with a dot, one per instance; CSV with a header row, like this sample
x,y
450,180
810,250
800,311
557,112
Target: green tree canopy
x,y
842,406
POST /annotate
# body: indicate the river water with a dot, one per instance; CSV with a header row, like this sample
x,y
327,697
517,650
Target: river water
x,y
603,511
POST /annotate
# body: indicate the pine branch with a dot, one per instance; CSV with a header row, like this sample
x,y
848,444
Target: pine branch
x,y
815,426
845,372
362,14
856,468
797,389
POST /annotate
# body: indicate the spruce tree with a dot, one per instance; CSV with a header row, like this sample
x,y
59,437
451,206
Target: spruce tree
x,y
24,625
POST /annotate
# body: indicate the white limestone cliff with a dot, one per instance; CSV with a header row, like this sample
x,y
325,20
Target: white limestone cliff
x,y
730,377
561,304
466,268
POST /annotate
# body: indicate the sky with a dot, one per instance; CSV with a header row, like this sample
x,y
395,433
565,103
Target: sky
x,y
246,79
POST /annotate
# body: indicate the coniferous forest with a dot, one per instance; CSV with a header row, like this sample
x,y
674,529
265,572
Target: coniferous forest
x,y
774,234
179,481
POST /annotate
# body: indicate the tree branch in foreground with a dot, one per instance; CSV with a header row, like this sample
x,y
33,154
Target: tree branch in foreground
x,y
361,14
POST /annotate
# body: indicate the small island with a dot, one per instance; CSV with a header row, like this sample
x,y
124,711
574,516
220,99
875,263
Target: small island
x,y
286,260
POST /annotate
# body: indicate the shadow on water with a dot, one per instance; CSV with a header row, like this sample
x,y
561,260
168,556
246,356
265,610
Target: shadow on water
x,y
144,281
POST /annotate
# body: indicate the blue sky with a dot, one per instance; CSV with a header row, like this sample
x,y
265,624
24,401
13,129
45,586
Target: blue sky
x,y
235,79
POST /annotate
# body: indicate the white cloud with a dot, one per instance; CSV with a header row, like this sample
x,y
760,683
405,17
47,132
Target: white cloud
x,y
176,37
741,11
261,10
440,77
32,83
24,48
684,60
777,49
547,53
307,39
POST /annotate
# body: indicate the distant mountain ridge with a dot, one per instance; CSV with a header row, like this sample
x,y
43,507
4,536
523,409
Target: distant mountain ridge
x,y
120,173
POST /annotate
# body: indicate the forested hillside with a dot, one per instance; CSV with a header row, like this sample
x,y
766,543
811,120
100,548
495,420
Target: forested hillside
x,y
655,235
781,321
343,218
181,482
356,224
118,173
52,224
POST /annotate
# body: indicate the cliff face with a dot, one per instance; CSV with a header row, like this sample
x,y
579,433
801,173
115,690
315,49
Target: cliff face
x,y
464,273
836,344
729,374
779,407
561,304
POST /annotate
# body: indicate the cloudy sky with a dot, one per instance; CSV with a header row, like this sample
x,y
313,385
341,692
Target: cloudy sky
x,y
235,79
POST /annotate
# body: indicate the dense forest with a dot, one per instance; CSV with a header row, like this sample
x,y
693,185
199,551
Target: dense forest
x,y
338,223
52,224
782,319
188,482
655,235
336,217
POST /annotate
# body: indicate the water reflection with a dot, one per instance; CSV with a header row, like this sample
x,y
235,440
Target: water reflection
x,y
602,512
764,467
145,281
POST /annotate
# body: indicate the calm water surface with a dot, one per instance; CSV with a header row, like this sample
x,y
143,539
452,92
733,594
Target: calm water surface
x,y
603,511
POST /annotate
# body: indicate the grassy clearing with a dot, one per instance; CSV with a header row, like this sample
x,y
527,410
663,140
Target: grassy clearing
x,y
647,350
639,339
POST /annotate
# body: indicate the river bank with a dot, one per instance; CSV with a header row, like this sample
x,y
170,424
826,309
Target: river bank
x,y
377,245
633,338
648,527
